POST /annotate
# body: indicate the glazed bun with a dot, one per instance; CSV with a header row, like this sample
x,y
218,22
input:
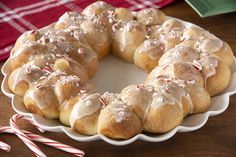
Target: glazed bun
x,y
138,98
148,54
179,53
84,115
123,14
47,94
216,74
177,70
200,98
118,121
102,11
164,114
126,38
151,16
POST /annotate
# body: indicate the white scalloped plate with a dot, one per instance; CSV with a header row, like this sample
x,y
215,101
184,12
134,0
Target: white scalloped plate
x,y
120,75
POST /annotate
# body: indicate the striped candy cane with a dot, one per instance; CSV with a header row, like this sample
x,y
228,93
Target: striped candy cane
x,y
32,122
27,136
5,146
36,150
46,141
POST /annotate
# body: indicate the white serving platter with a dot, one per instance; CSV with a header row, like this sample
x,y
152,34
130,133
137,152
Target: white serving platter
x,y
113,75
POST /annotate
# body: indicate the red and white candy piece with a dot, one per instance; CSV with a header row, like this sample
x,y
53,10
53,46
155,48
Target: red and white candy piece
x,y
26,137
197,65
5,146
46,141
36,150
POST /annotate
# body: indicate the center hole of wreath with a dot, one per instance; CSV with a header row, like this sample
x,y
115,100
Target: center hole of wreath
x,y
114,74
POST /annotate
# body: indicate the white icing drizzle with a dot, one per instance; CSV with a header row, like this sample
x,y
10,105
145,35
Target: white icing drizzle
x,y
68,79
176,89
42,102
139,95
209,64
87,105
28,73
119,110
153,48
179,53
157,71
70,18
124,28
211,45
160,100
205,42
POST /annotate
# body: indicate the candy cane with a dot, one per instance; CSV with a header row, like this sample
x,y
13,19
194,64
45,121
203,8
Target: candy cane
x,y
46,141
37,138
36,150
33,123
5,146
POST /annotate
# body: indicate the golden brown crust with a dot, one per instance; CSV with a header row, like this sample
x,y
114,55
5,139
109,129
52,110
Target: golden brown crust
x,y
163,119
125,129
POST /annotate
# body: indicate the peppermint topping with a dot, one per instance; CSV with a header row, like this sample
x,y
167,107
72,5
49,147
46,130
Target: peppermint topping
x,y
197,65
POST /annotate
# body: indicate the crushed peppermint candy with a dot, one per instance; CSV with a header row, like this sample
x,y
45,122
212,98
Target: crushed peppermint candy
x,y
103,102
80,51
47,69
39,86
197,65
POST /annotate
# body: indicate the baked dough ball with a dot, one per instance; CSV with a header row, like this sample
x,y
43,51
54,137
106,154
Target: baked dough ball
x,y
97,37
216,74
93,30
128,35
175,88
42,102
32,35
164,114
21,55
169,33
71,67
215,46
21,78
138,97
97,8
84,114
151,16
193,97
59,43
103,11
179,53
207,43
154,31
148,53
178,70
200,98
69,18
170,24
195,33
118,121
67,106
45,96
123,14
65,44
172,38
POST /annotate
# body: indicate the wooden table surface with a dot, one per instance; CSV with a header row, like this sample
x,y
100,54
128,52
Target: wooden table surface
x,y
217,138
